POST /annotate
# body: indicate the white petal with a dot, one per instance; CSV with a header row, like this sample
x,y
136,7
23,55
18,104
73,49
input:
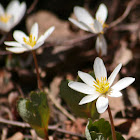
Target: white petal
x,y
99,69
83,15
16,49
19,35
27,47
22,8
12,43
38,45
101,45
98,28
113,75
82,87
123,83
87,78
115,93
79,24
13,7
34,31
20,13
90,27
40,39
48,32
102,104
2,11
102,13
5,27
88,98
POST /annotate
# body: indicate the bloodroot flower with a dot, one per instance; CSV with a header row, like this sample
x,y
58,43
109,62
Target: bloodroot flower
x,y
88,23
102,87
12,15
27,43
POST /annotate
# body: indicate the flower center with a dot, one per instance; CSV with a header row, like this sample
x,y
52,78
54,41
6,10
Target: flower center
x,y
31,41
5,18
101,21
105,25
102,86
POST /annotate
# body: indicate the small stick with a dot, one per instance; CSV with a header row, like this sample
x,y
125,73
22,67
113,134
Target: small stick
x,y
124,15
50,127
31,8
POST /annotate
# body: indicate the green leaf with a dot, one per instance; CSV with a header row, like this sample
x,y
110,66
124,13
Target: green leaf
x,y
72,98
118,136
35,111
92,135
100,130
102,126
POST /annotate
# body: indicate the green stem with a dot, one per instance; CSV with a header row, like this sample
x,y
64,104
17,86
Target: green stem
x,y
37,71
112,124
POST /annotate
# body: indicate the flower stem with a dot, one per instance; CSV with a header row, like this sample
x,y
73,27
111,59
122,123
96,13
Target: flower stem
x,y
46,135
112,124
100,53
37,71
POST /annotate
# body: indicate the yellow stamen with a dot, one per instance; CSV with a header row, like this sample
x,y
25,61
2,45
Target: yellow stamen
x,y
5,18
105,25
31,41
102,86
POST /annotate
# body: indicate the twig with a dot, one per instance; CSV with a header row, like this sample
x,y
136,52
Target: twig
x,y
124,15
77,40
15,123
132,27
31,8
50,127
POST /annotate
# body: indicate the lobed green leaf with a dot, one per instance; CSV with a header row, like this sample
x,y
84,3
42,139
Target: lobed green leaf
x,y
35,111
100,130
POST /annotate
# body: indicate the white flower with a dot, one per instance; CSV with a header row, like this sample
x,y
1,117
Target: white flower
x,y
12,15
27,43
101,87
88,23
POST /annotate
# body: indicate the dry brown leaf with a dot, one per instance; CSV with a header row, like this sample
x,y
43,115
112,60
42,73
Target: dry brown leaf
x,y
61,31
5,83
132,96
135,129
123,55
